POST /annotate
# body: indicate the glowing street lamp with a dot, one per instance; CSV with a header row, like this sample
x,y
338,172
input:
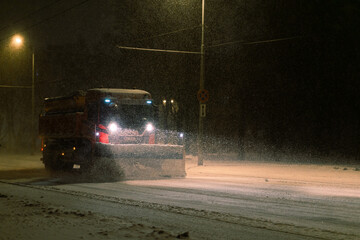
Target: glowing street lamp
x,y
17,41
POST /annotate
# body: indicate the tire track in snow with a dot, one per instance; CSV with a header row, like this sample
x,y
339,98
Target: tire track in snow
x,y
211,215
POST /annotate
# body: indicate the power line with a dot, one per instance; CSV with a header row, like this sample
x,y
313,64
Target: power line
x,y
168,33
212,46
254,42
30,14
156,50
49,18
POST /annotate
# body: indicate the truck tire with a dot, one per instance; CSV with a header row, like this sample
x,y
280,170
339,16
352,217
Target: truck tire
x,y
53,162
48,160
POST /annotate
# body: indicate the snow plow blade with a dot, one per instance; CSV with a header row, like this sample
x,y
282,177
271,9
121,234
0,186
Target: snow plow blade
x,y
144,161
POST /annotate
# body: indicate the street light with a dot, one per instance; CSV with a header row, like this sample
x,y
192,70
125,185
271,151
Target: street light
x,y
17,42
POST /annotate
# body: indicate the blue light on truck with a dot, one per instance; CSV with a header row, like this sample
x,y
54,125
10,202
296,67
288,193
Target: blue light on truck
x,y
149,102
107,100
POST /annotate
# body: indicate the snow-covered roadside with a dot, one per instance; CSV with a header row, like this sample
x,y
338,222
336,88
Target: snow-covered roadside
x,y
20,161
240,179
338,175
30,219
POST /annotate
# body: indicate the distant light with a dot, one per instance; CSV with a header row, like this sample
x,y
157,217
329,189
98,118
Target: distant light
x,y
149,102
97,133
62,154
181,135
113,127
74,148
17,41
149,127
107,100
172,101
164,101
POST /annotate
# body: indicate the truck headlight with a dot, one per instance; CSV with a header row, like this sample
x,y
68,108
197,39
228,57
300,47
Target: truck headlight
x,y
149,127
113,127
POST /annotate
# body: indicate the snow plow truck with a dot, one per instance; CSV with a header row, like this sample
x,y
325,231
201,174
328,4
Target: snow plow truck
x,y
107,125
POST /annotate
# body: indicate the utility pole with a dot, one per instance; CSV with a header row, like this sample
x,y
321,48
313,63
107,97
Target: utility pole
x,y
33,145
200,139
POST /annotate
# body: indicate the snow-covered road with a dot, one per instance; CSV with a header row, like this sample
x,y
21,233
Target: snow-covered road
x,y
223,200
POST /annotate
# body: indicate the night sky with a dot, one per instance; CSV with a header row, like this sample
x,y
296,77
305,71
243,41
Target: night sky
x,y
283,75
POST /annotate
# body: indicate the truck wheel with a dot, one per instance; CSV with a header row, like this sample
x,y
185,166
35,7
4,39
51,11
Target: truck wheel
x,y
48,160
53,162
85,156
48,166
60,165
57,167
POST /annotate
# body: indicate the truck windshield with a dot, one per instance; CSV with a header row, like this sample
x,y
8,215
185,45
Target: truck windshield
x,y
126,115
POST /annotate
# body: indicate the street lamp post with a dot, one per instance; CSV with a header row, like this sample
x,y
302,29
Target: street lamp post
x,y
200,141
33,145
17,42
